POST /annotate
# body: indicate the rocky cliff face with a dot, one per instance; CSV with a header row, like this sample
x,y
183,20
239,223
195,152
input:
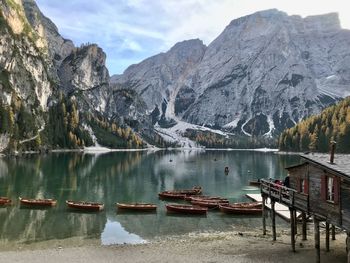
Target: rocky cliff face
x,y
58,47
84,74
25,81
52,93
158,79
265,72
23,65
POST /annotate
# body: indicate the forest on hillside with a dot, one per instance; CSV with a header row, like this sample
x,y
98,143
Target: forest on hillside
x,y
214,140
315,133
65,127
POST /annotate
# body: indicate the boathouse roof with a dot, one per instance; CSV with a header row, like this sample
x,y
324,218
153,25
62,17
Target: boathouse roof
x,y
295,166
341,163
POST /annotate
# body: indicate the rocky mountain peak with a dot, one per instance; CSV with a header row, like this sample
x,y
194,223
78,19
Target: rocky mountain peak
x,y
23,65
192,45
262,55
84,69
157,77
263,73
265,16
323,23
58,47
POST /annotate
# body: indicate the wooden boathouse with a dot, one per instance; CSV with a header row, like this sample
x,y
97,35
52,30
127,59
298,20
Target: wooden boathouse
x,y
318,188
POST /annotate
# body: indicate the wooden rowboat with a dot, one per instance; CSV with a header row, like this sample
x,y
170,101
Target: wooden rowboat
x,y
186,209
196,190
254,182
241,208
137,206
171,195
37,202
189,197
87,206
208,197
5,201
180,194
246,205
208,203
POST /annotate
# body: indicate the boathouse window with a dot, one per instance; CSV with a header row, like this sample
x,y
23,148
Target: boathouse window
x,y
303,186
330,189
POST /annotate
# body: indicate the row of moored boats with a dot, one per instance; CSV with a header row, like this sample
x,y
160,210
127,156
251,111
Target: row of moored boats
x,y
45,203
200,204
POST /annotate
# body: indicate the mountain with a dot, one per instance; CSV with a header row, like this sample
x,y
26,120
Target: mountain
x,y
53,94
58,47
157,80
25,79
265,72
315,133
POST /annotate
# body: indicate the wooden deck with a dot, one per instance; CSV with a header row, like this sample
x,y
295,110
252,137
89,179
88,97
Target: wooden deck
x,y
281,210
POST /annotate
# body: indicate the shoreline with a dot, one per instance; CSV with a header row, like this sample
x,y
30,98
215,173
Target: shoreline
x,y
240,245
101,150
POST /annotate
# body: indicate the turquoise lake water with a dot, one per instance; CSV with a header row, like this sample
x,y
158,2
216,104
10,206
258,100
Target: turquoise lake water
x,y
126,177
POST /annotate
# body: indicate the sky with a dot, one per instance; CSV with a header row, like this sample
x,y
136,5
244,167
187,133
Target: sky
x,y
130,31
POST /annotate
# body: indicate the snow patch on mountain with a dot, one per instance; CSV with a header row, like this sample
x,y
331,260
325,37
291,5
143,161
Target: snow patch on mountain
x,y
175,134
233,124
271,127
242,129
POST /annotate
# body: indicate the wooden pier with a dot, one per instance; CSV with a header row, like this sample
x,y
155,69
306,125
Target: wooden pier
x,y
284,202
280,209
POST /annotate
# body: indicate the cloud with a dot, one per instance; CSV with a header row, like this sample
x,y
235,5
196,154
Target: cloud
x,y
131,45
132,30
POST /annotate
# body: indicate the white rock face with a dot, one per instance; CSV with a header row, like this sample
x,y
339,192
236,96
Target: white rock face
x,y
4,141
265,72
84,72
23,65
14,16
58,48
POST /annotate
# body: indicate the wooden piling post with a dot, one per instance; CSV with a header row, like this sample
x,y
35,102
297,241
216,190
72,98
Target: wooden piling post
x,y
327,236
292,228
303,216
333,232
348,246
317,239
273,218
264,214
295,221
304,231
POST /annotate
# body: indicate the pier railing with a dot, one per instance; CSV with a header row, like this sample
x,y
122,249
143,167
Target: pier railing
x,y
284,195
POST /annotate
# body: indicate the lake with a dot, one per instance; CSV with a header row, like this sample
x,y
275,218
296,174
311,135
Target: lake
x,y
126,177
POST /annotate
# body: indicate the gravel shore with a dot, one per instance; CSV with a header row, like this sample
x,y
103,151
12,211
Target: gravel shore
x,y
247,246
